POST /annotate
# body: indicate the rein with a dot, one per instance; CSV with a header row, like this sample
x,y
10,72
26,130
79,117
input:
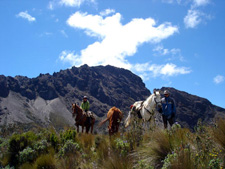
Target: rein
x,y
151,113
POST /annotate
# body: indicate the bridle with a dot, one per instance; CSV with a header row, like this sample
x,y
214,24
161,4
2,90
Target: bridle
x,y
156,102
74,109
76,113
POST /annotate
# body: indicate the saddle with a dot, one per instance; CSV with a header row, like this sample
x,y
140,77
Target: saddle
x,y
138,110
89,114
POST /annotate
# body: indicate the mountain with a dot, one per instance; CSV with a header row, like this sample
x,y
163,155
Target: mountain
x,y
46,100
191,108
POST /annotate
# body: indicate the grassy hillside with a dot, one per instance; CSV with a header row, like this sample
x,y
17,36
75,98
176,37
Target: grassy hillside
x,y
134,148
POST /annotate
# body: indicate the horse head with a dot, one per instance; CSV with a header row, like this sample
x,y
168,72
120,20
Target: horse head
x,y
157,98
76,109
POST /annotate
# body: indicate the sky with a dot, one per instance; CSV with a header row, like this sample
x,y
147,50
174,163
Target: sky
x,y
172,43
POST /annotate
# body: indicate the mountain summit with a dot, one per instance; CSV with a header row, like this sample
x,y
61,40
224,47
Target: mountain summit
x,y
46,99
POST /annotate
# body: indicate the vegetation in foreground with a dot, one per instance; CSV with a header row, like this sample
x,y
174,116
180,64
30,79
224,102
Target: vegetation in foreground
x,y
135,148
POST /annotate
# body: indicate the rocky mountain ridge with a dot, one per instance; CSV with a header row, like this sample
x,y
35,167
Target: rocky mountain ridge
x,y
46,100
37,100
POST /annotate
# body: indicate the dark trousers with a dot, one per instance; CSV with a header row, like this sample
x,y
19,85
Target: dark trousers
x,y
165,120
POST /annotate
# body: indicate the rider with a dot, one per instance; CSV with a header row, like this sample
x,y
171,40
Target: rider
x,y
85,105
168,109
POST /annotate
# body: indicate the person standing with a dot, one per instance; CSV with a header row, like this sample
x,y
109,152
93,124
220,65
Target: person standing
x,y
168,109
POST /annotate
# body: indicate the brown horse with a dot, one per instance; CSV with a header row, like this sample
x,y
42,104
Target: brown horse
x,y
81,119
114,116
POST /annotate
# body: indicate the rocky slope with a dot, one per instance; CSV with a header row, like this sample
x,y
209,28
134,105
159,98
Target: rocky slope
x,y
46,100
191,108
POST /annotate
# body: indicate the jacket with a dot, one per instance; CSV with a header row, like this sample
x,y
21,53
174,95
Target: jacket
x,y
168,107
85,105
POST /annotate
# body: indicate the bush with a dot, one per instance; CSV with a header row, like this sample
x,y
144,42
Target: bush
x,y
68,135
54,141
122,147
27,155
69,148
41,147
18,143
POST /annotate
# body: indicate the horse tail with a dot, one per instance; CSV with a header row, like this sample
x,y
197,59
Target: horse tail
x,y
103,121
128,119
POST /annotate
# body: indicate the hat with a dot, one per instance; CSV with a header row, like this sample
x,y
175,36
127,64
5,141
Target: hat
x,y
166,92
85,97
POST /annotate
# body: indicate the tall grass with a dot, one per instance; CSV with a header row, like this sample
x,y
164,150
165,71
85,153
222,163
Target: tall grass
x,y
135,148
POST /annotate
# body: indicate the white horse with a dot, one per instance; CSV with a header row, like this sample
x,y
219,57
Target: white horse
x,y
145,110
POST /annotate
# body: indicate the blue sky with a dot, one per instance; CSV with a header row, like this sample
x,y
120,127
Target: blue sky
x,y
174,43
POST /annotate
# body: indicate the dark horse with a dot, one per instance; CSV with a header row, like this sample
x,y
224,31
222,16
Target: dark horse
x,y
81,119
114,116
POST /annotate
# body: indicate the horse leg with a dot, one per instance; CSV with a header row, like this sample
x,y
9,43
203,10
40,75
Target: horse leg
x,y
82,128
77,128
92,125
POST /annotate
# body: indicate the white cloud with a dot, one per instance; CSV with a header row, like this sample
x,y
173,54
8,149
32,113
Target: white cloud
x,y
26,16
172,54
68,56
116,41
161,50
51,5
74,3
147,70
107,12
171,1
193,18
168,69
198,3
68,3
218,79
64,33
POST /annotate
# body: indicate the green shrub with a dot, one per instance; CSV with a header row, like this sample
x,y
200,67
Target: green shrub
x,y
215,163
68,135
27,155
18,143
54,141
41,147
69,148
122,147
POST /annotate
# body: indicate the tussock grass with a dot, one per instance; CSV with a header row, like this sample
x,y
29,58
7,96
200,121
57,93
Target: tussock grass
x,y
116,161
219,133
86,140
134,148
45,161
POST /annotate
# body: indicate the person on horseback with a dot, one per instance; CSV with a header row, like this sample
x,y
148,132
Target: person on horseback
x,y
168,109
85,106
